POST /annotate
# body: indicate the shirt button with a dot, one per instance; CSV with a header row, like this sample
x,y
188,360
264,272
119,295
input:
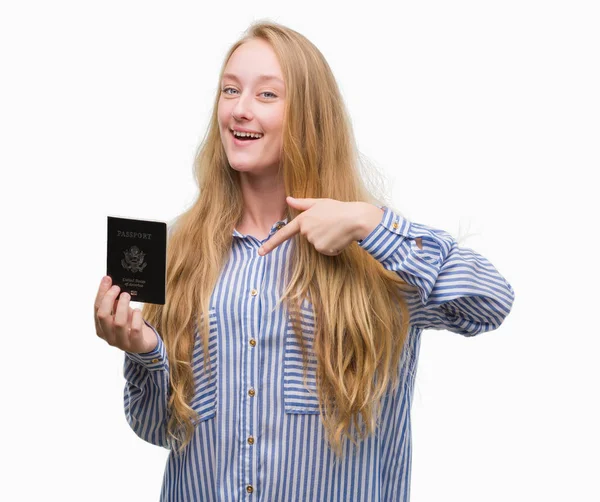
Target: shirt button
x,y
249,489
395,225
250,440
251,392
254,292
253,342
155,360
280,226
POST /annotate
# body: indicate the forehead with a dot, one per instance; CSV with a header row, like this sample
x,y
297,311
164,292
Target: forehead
x,y
254,61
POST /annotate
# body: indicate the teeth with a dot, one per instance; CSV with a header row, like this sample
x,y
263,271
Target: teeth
x,y
246,134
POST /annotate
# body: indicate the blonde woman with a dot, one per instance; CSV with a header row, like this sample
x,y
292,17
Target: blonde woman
x,y
281,367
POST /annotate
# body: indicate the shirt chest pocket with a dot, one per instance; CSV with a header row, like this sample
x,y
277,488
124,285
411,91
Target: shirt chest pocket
x,y
300,397
205,397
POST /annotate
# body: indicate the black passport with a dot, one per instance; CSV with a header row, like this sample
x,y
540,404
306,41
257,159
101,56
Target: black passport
x,y
136,258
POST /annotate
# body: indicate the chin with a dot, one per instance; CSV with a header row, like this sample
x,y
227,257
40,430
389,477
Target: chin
x,y
252,168
244,166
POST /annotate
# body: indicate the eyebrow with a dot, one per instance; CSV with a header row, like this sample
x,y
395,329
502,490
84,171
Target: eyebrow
x,y
260,78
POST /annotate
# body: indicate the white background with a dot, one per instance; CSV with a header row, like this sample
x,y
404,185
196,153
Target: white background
x,y
485,117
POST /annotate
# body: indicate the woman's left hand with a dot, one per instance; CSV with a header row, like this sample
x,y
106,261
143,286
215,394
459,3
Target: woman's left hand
x,y
329,225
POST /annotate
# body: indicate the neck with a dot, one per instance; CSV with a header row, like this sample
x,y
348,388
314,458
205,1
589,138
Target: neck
x,y
264,202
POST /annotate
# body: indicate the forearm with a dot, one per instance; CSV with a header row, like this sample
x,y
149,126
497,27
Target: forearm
x,y
147,392
458,289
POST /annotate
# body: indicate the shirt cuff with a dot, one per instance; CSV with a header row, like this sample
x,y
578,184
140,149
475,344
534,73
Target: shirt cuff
x,y
154,360
383,238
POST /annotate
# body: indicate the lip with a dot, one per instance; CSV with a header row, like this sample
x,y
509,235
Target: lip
x,y
239,142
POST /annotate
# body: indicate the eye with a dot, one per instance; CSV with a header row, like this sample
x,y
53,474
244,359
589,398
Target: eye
x,y
232,89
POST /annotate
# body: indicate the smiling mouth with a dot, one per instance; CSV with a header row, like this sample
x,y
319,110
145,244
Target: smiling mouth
x,y
246,139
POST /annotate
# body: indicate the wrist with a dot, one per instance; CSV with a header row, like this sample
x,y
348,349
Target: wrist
x,y
150,339
366,220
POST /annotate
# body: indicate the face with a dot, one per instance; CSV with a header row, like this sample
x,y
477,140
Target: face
x,y
251,102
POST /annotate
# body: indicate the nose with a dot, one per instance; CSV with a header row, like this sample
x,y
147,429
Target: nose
x,y
242,108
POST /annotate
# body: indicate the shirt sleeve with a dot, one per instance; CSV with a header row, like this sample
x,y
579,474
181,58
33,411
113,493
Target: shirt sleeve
x,y
458,289
146,393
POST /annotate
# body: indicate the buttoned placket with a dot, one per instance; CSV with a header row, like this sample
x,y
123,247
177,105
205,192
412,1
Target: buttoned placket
x,y
251,372
251,367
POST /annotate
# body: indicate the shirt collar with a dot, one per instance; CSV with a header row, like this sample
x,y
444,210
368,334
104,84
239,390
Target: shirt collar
x,y
276,226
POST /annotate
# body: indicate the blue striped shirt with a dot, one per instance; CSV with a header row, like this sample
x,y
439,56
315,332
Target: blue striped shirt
x,y
259,435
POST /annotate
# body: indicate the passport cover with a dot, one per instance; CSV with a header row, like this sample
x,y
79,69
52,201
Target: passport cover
x,y
136,258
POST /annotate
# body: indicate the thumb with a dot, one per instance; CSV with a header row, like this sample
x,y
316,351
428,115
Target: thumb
x,y
301,203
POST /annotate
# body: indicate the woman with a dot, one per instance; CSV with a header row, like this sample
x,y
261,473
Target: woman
x,y
281,367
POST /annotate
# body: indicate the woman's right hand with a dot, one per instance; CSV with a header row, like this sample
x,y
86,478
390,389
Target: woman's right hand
x,y
119,324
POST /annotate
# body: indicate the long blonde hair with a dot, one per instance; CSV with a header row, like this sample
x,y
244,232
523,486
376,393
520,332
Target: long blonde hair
x,y
361,316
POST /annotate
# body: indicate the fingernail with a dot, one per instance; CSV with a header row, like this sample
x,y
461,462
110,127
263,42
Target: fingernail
x,y
105,280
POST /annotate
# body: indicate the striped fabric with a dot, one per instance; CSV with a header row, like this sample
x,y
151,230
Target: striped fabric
x,y
259,435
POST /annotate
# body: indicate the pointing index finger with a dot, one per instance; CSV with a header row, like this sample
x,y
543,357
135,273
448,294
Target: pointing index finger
x,y
283,234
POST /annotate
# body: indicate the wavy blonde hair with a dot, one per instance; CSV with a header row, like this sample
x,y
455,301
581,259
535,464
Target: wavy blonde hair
x,y
361,317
